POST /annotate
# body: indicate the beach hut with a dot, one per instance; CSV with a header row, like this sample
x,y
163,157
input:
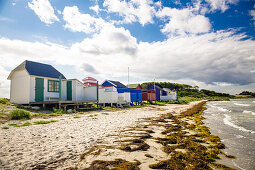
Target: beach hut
x,y
148,95
157,89
167,95
73,90
123,91
134,86
106,95
135,93
37,82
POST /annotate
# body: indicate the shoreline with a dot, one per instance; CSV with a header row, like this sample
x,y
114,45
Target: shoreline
x,y
239,138
147,150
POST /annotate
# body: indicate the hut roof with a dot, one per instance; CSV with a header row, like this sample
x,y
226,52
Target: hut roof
x,y
38,69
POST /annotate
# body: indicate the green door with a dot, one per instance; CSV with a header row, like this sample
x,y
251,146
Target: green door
x,y
39,88
69,90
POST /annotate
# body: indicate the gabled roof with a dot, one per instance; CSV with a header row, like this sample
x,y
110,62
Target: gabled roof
x,y
132,86
114,83
156,86
89,78
117,83
38,69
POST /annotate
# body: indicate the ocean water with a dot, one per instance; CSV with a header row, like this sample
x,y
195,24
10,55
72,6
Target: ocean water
x,y
234,122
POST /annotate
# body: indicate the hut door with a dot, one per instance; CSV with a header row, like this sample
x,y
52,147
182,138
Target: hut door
x,y
69,90
39,88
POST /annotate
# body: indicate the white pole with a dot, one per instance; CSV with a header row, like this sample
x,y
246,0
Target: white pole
x,y
154,84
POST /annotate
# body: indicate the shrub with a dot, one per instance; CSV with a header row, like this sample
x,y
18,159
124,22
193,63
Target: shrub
x,y
5,127
4,101
18,114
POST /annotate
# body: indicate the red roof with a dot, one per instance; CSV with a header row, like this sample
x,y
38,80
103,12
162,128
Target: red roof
x,y
89,78
91,84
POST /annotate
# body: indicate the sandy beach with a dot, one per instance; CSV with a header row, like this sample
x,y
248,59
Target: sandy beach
x,y
60,144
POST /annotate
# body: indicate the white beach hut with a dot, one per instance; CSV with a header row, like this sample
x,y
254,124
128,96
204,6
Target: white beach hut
x,y
36,82
167,95
106,95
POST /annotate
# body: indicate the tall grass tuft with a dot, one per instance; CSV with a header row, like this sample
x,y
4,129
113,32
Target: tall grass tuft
x,y
18,114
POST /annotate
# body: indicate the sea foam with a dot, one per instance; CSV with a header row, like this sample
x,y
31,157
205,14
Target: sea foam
x,y
239,104
227,121
220,108
250,112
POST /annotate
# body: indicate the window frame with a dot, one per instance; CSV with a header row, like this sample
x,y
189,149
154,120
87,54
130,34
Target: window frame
x,y
55,86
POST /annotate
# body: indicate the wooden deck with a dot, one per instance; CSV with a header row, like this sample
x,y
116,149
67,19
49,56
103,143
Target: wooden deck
x,y
65,104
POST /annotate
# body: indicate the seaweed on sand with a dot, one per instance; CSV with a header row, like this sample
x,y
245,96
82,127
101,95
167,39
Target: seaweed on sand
x,y
195,155
117,164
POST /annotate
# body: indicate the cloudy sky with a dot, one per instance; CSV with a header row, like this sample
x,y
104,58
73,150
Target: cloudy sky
x,y
209,43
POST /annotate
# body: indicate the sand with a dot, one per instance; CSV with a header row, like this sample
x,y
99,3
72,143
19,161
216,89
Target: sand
x,y
60,144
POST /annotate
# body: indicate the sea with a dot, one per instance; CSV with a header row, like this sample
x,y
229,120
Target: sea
x,y
234,122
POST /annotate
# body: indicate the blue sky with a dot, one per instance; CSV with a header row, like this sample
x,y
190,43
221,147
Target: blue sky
x,y
209,43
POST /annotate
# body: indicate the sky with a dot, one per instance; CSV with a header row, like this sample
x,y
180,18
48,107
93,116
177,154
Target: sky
x,y
208,43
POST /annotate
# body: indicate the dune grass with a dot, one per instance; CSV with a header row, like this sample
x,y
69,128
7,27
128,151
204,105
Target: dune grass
x,y
44,122
19,114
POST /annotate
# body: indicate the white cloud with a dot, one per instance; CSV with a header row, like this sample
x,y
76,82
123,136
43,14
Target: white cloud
x,y
79,22
132,11
183,21
95,8
43,10
222,5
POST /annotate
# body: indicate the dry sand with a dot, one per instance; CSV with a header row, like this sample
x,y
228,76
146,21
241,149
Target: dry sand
x,y
61,143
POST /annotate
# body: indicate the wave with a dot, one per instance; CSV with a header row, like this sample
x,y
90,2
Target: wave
x,y
227,121
250,112
239,104
220,108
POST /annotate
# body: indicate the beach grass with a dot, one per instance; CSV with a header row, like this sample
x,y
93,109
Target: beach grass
x,y
44,122
5,127
76,117
18,114
105,113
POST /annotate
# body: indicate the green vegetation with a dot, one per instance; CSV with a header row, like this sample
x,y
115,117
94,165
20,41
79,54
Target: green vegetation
x,y
59,111
90,116
76,117
20,125
44,122
5,127
5,101
38,114
18,114
187,93
247,93
105,113
107,108
26,124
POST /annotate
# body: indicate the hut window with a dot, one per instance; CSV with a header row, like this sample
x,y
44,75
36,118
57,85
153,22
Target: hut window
x,y
53,86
